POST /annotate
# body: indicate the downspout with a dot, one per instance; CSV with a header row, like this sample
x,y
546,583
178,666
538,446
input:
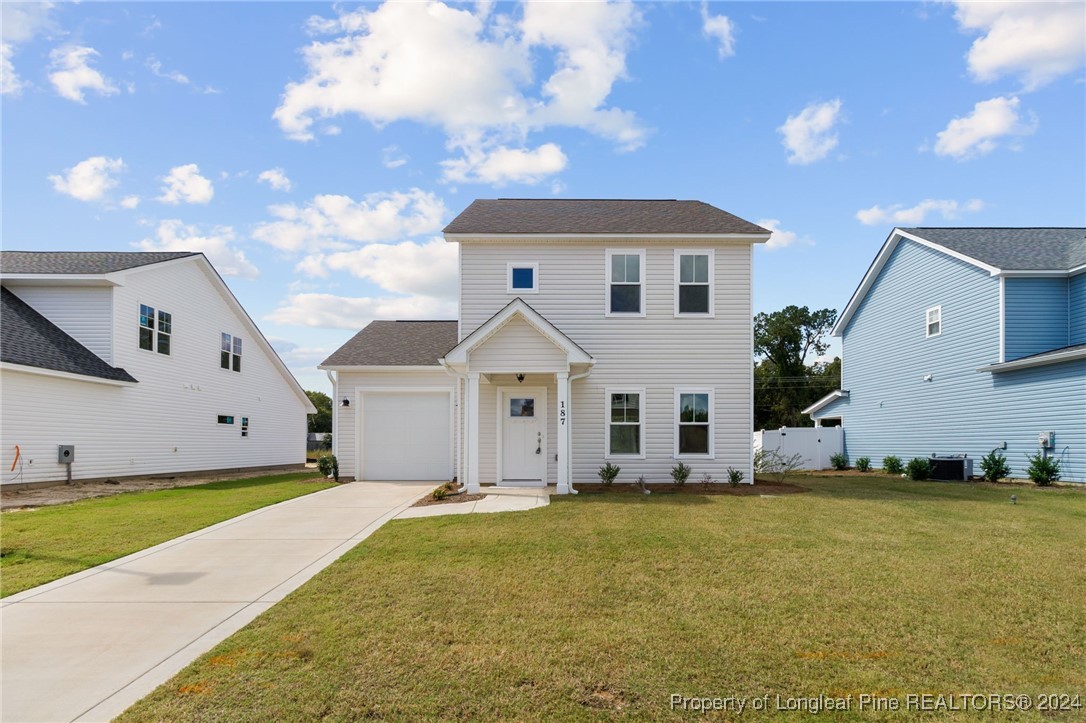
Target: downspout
x,y
461,476
334,378
569,431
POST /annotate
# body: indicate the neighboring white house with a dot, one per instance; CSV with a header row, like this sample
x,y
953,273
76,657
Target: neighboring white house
x,y
144,362
590,331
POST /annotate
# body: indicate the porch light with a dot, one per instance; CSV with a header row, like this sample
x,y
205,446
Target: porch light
x,y
520,377
345,403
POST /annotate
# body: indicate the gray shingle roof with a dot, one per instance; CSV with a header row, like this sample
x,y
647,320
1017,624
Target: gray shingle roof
x,y
1013,249
28,338
82,262
396,343
596,216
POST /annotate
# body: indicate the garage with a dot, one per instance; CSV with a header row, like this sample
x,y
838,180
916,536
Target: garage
x,y
406,435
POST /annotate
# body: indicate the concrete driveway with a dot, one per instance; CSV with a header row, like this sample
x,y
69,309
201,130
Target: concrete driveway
x,y
87,646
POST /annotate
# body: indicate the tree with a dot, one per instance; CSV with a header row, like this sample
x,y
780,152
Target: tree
x,y
785,383
322,420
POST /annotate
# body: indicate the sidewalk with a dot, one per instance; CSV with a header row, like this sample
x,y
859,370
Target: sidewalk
x,y
87,646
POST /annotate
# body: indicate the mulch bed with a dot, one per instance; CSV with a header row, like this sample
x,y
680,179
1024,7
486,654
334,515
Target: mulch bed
x,y
760,487
450,500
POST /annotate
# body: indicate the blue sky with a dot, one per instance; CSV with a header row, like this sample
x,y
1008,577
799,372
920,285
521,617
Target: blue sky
x,y
315,151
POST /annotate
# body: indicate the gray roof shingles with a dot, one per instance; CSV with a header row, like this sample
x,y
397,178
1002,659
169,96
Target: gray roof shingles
x,y
1013,249
396,343
82,262
596,216
29,339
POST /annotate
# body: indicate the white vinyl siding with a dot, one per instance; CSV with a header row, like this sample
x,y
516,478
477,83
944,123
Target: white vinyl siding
x,y
517,340
84,312
656,352
167,422
694,282
625,274
624,418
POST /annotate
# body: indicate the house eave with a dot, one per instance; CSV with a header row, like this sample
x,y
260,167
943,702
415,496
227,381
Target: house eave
x,y
530,237
42,371
380,367
458,355
1035,361
835,394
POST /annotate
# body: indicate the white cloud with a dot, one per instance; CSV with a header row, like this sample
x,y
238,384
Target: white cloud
x,y
184,184
156,68
10,82
72,74
809,136
344,312
89,180
332,221
1035,41
276,178
501,165
295,355
426,269
19,23
215,244
780,238
898,215
393,63
130,202
720,28
979,132
392,158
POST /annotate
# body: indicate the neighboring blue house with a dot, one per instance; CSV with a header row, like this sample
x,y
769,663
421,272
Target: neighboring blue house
x,y
959,340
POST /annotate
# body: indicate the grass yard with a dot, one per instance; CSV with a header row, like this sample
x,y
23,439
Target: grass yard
x,y
50,542
602,606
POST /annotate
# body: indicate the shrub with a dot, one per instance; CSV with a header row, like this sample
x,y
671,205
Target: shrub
x,y
707,480
775,464
994,466
608,472
680,473
839,461
863,464
1043,470
329,466
734,477
892,465
918,468
440,493
326,441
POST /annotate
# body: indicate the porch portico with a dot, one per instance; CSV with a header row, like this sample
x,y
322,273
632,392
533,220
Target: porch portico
x,y
527,365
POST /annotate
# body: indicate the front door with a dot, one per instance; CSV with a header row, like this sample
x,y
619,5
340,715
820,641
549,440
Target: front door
x,y
524,437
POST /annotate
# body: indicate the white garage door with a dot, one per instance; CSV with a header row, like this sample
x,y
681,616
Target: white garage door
x,y
406,436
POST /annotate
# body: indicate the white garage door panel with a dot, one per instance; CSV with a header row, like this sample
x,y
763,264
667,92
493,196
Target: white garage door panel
x,y
406,436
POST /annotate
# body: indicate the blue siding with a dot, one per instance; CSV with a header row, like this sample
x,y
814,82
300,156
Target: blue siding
x,y
1036,316
836,408
1077,305
892,410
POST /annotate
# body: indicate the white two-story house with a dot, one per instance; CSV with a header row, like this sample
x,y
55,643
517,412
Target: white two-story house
x,y
136,364
590,331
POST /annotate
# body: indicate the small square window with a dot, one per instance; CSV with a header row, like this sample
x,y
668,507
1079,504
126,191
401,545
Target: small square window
x,y
522,278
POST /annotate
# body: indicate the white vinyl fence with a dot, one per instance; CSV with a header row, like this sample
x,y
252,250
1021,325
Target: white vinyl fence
x,y
815,444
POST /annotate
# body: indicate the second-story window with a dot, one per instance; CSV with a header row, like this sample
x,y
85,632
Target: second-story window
x,y
230,352
148,336
694,283
626,282
935,321
522,278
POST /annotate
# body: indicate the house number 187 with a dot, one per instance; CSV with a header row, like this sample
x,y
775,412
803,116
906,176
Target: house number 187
x,y
562,413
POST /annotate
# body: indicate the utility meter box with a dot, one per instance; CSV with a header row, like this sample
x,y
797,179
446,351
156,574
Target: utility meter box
x,y
65,453
1047,440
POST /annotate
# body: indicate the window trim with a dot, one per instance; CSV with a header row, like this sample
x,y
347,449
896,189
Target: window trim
x,y
155,328
233,358
711,313
679,391
533,265
227,419
607,283
927,321
607,392
168,334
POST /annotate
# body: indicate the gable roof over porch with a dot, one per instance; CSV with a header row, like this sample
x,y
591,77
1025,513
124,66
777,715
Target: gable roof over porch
x,y
517,310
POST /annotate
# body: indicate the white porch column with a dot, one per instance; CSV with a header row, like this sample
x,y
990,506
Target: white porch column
x,y
563,432
473,433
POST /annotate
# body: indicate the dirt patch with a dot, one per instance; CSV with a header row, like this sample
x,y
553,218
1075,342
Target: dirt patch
x,y
451,500
759,487
16,499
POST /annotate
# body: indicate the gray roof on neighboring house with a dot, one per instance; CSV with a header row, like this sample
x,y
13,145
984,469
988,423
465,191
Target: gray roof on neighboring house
x,y
29,339
596,216
82,262
396,343
1013,249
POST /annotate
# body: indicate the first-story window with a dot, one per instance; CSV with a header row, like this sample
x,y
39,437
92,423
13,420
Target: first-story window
x,y
625,429
147,328
694,435
935,321
230,352
244,426
226,419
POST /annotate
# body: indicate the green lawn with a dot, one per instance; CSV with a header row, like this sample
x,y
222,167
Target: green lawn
x,y
51,542
602,606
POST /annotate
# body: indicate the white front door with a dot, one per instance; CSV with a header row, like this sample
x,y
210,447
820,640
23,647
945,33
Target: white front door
x,y
524,437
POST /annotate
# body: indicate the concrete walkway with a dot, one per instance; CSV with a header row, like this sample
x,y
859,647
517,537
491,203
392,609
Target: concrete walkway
x,y
498,499
87,646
